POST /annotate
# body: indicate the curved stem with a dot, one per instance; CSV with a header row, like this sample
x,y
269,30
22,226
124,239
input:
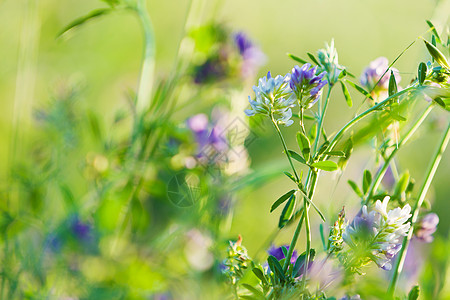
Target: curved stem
x,y
322,117
148,62
415,213
380,174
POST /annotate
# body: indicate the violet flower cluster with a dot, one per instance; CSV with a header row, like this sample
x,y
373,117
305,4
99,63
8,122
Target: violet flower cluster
x,y
374,73
274,97
379,232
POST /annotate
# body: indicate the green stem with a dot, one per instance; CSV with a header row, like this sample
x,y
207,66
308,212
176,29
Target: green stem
x,y
415,213
322,117
283,142
380,174
148,63
363,115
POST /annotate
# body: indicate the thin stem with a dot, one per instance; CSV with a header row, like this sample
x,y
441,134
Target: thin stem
x,y
415,213
283,142
380,174
322,117
363,115
148,62
293,242
302,125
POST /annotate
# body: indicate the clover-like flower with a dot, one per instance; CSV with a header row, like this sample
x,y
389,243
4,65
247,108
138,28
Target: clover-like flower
x,y
379,233
426,227
372,74
278,253
306,85
236,262
273,99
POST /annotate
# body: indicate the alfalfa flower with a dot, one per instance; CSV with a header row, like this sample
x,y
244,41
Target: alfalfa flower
x,y
272,99
252,56
426,227
377,235
328,60
306,85
373,79
236,262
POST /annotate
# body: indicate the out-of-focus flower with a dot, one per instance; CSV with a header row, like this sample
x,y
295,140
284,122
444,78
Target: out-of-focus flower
x,y
252,55
426,227
306,85
377,235
210,143
81,230
197,250
372,74
347,297
328,60
277,252
272,99
236,262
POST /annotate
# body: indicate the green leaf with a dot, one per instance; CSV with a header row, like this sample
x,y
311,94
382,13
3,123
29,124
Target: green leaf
x,y
437,55
347,96
254,291
285,251
304,145
281,200
287,212
311,56
414,293
296,58
348,149
322,237
367,180
359,89
422,72
291,177
335,153
312,204
393,89
355,188
80,21
297,157
434,31
402,183
276,267
326,165
260,275
439,101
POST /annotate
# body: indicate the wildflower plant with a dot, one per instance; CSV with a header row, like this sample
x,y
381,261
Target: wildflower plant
x,y
380,232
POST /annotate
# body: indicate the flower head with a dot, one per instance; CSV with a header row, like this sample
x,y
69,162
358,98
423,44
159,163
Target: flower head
x,y
426,227
328,60
377,235
252,56
306,85
278,253
272,99
373,74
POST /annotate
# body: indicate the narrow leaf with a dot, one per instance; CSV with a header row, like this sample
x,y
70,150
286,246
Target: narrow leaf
x,y
355,188
335,153
438,39
367,180
439,101
297,156
80,21
422,72
347,96
304,145
414,293
255,291
281,200
260,275
296,58
437,55
312,58
326,165
322,237
291,177
287,212
273,262
359,89
313,205
393,89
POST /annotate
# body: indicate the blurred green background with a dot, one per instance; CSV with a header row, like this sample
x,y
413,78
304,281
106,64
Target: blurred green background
x,y
105,55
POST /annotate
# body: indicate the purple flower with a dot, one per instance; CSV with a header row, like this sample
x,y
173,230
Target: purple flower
x,y
252,56
372,74
207,136
277,252
306,85
426,227
81,230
